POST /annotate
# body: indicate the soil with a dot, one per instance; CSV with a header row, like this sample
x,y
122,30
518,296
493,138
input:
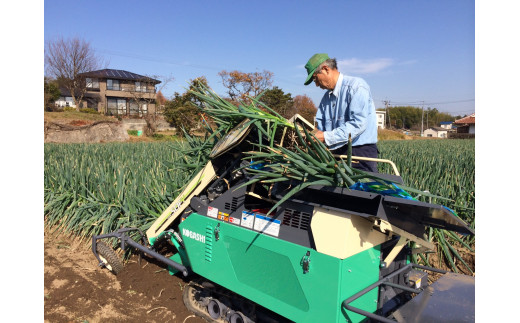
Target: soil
x,y
78,290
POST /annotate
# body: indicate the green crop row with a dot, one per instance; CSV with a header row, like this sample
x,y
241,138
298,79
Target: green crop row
x,y
445,168
99,188
442,167
93,189
136,177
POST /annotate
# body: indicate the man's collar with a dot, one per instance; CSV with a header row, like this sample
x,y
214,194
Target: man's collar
x,y
338,86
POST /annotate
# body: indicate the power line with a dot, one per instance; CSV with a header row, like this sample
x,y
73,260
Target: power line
x,y
465,111
433,103
152,59
461,112
448,102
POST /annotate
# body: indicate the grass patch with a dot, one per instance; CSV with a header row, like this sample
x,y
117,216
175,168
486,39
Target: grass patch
x,y
385,134
165,137
162,136
75,115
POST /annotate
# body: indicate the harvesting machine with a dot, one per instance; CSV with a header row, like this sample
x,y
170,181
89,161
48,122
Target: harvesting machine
x,y
326,254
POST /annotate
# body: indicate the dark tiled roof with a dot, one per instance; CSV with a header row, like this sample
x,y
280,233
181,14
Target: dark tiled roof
x,y
446,122
466,120
438,129
119,75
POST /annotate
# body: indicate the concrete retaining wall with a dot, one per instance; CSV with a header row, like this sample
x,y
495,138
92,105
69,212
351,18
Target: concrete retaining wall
x,y
101,131
140,124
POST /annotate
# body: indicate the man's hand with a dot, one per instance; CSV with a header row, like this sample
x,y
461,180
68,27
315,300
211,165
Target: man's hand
x,y
319,135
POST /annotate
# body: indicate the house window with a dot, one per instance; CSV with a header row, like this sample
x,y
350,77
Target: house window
x,y
140,87
112,106
113,85
144,109
134,108
92,83
92,103
121,106
116,106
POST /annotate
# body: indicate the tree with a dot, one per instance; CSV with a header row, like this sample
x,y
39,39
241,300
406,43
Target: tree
x,y
240,85
277,100
160,99
411,117
149,92
66,59
304,106
144,96
287,106
51,93
181,111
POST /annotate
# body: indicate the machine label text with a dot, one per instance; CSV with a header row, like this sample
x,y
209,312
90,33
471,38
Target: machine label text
x,y
194,235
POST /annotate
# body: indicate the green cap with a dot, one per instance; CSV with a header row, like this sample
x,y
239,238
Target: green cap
x,y
313,64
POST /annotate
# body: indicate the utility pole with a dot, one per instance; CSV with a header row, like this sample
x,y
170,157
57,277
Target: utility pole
x,y
427,117
387,103
422,118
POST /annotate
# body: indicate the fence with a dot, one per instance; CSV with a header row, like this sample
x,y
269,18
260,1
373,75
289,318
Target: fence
x,y
454,135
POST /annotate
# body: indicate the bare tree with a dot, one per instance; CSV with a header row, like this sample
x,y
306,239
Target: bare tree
x,y
145,95
66,59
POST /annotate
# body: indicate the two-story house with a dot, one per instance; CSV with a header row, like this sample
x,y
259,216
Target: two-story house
x,y
118,93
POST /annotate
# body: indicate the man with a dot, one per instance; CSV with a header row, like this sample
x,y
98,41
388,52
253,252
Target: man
x,y
346,108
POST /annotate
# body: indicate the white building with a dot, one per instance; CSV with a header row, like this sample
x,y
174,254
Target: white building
x,y
380,117
436,132
65,101
447,124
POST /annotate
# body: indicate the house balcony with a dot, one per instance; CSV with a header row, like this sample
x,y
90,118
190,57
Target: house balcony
x,y
126,93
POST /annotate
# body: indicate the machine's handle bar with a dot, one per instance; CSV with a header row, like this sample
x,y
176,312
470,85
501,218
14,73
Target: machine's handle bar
x,y
377,160
299,118
125,239
386,281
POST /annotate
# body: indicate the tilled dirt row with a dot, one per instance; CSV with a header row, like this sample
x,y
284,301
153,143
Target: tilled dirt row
x,y
77,290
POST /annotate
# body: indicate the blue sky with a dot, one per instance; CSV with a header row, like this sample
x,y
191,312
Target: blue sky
x,y
408,51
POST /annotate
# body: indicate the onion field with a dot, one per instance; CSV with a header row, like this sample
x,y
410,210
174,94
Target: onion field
x,y
92,189
445,168
98,188
442,167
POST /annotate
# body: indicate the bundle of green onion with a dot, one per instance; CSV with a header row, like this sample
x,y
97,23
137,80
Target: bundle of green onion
x,y
305,159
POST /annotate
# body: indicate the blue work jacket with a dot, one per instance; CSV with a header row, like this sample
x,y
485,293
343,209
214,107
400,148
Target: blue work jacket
x,y
349,108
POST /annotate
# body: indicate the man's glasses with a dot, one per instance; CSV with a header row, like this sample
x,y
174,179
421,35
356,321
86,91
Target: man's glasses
x,y
316,73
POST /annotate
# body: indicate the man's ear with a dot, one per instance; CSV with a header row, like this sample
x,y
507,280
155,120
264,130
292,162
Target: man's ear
x,y
325,69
